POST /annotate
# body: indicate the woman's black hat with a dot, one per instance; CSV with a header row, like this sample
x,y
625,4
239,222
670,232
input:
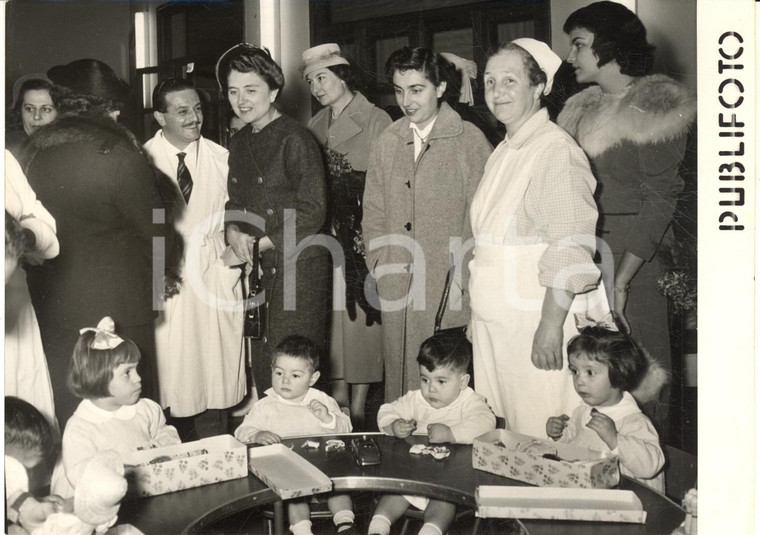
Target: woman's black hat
x,y
90,77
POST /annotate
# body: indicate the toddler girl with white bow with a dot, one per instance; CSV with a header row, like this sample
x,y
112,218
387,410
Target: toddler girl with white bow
x,y
112,415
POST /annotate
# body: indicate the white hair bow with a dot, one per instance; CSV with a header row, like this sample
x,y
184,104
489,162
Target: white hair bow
x,y
105,334
607,322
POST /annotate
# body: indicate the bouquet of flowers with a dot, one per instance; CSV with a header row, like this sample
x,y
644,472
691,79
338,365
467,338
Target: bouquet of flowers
x,y
680,288
346,195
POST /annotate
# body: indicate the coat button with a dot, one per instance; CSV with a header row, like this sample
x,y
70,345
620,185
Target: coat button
x,y
270,211
233,180
408,226
408,184
274,270
260,180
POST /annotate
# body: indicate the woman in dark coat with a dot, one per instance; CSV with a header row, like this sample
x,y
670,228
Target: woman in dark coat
x,y
277,198
91,175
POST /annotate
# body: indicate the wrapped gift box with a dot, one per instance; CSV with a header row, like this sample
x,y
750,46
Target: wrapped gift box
x,y
596,505
497,452
285,472
183,466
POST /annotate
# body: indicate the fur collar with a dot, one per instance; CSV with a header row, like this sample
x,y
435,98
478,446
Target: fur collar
x,y
655,378
101,131
653,109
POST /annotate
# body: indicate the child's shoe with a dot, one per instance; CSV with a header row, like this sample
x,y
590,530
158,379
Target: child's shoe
x,y
346,529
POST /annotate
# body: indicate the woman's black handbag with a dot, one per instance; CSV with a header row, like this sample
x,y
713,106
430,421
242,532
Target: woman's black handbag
x,y
454,337
256,307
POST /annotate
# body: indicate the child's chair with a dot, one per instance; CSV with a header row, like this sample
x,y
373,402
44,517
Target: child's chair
x,y
415,514
680,472
318,510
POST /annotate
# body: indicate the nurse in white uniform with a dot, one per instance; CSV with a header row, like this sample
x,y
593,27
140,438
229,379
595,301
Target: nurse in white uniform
x,y
533,218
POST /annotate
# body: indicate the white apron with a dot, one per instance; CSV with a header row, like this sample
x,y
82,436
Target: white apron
x,y
506,300
199,335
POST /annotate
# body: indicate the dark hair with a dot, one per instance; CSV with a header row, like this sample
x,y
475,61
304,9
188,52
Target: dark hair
x,y
32,84
618,35
348,74
430,63
73,103
91,370
26,428
256,60
299,347
625,361
170,85
444,351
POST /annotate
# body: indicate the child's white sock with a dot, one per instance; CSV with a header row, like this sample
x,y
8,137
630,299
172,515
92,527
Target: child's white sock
x,y
302,528
379,525
343,519
430,529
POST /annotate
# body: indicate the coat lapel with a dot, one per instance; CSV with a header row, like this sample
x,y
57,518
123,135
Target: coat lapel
x,y
345,130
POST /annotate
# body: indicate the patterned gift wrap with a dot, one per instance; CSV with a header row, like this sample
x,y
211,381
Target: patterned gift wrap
x,y
497,452
183,466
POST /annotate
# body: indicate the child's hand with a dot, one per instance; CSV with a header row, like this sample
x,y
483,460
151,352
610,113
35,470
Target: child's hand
x,y
604,426
438,433
245,434
266,438
403,428
58,503
555,426
34,511
319,410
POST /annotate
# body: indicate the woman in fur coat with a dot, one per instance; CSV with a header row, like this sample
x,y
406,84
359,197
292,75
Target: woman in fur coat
x,y
633,127
91,175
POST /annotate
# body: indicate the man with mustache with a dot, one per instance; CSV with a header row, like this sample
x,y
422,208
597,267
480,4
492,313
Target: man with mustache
x,y
199,334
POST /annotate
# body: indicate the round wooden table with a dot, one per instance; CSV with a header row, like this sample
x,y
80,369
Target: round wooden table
x,y
452,479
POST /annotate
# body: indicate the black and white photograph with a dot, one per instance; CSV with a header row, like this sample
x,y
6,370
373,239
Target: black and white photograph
x,y
382,267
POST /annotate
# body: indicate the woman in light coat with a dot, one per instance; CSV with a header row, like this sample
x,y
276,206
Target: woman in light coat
x,y
347,128
421,178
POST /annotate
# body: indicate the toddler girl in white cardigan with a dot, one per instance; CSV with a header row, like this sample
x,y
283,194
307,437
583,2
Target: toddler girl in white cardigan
x,y
606,366
112,415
